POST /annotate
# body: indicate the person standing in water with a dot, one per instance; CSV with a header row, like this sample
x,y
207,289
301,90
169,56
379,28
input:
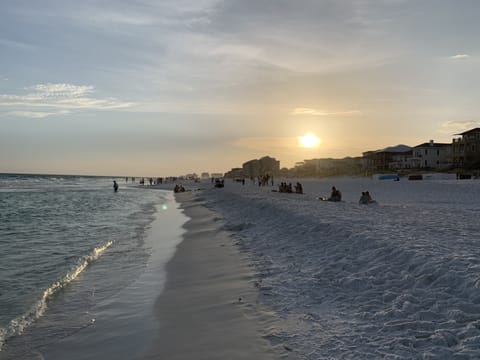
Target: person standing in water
x,y
115,186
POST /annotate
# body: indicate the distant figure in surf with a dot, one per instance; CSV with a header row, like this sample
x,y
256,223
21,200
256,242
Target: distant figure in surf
x,y
115,186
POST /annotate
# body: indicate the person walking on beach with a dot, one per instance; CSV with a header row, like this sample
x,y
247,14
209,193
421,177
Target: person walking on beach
x,y
115,186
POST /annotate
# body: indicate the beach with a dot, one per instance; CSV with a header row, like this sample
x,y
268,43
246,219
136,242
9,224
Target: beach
x,y
246,272
395,279
135,274
208,308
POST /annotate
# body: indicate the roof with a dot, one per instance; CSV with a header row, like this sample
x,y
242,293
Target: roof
x,y
469,131
396,149
428,144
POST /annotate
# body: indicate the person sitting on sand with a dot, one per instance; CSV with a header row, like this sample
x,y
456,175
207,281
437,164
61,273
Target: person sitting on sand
x,y
369,197
298,188
364,198
336,195
179,188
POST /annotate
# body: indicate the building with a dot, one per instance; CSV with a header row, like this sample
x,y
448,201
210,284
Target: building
x,y
328,167
466,150
259,167
235,173
431,155
391,158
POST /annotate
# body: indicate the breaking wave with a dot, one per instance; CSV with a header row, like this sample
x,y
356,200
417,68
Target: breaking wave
x,y
18,325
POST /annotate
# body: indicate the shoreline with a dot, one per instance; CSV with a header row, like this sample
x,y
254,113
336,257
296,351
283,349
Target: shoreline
x,y
208,307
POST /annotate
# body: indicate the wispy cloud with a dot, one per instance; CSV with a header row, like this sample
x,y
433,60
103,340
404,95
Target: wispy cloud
x,y
28,114
60,96
125,15
310,111
451,127
460,57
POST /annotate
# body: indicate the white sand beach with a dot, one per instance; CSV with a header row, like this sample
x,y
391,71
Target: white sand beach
x,y
208,309
399,279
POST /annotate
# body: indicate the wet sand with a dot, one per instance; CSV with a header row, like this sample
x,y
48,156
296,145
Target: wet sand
x,y
208,308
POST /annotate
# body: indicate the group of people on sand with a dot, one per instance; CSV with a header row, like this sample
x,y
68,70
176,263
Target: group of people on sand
x,y
287,188
336,195
265,179
283,187
219,183
179,188
366,198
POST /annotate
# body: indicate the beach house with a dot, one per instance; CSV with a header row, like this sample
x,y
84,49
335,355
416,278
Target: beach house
x,y
431,155
466,150
392,157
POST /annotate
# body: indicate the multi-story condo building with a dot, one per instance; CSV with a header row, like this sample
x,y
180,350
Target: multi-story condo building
x,y
259,167
466,150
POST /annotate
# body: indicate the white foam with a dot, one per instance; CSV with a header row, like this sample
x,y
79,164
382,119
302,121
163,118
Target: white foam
x,y
18,325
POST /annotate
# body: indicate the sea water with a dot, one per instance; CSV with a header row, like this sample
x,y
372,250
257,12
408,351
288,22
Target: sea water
x,y
81,265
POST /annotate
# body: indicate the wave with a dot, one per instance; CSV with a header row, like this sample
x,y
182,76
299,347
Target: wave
x,y
18,325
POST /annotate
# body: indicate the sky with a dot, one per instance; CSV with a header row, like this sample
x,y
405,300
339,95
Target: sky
x,y
170,87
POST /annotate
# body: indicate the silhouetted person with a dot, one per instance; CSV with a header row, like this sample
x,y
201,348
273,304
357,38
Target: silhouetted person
x,y
363,199
298,188
336,195
115,186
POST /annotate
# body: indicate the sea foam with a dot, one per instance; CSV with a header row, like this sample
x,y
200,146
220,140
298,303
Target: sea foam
x,y
18,325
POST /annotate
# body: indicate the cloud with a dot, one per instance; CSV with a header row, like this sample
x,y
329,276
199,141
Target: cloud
x,y
310,111
451,127
62,90
28,114
460,57
121,16
61,96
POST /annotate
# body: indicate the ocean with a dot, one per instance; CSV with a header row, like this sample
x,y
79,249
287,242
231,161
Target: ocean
x,y
81,265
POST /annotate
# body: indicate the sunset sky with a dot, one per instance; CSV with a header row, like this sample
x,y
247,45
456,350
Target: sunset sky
x,y
168,87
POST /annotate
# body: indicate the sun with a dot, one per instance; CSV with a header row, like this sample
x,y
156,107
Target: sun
x,y
309,140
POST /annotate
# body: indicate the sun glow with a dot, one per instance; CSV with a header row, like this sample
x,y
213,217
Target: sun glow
x,y
308,140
